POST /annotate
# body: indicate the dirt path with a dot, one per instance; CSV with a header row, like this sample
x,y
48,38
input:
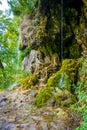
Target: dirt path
x,y
17,112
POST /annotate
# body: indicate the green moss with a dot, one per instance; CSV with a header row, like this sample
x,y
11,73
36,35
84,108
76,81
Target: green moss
x,y
46,49
65,76
29,81
75,50
59,80
43,96
41,32
54,79
62,79
70,67
64,98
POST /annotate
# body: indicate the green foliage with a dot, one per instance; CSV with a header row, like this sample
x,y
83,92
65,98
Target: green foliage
x,y
24,52
82,108
81,91
21,6
9,38
9,78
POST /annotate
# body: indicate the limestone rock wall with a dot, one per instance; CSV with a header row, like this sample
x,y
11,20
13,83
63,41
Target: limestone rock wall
x,y
41,31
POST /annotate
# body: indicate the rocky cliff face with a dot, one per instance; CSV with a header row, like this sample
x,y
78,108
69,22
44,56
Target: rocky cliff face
x,y
46,27
56,32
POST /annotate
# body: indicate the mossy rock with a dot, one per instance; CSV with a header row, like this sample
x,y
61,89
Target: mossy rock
x,y
59,80
64,98
43,96
70,67
65,76
29,81
59,85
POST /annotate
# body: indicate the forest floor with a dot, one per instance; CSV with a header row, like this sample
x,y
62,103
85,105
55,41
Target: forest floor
x,y
17,112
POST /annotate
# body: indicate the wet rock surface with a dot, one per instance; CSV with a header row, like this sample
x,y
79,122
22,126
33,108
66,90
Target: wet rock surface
x,y
17,112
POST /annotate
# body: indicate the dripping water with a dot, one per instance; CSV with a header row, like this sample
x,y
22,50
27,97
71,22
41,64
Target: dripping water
x,y
61,43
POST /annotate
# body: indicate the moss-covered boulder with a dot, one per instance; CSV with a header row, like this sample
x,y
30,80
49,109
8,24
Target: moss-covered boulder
x,y
49,97
64,98
65,77
43,96
59,86
59,80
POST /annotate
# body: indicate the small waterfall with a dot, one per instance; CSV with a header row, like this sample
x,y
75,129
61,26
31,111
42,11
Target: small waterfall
x,y
18,55
61,30
17,66
15,84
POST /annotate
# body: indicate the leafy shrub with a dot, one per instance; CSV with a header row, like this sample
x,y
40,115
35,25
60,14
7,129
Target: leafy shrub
x,y
81,91
21,6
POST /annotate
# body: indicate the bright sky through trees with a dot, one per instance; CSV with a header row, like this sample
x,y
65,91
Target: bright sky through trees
x,y
4,5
